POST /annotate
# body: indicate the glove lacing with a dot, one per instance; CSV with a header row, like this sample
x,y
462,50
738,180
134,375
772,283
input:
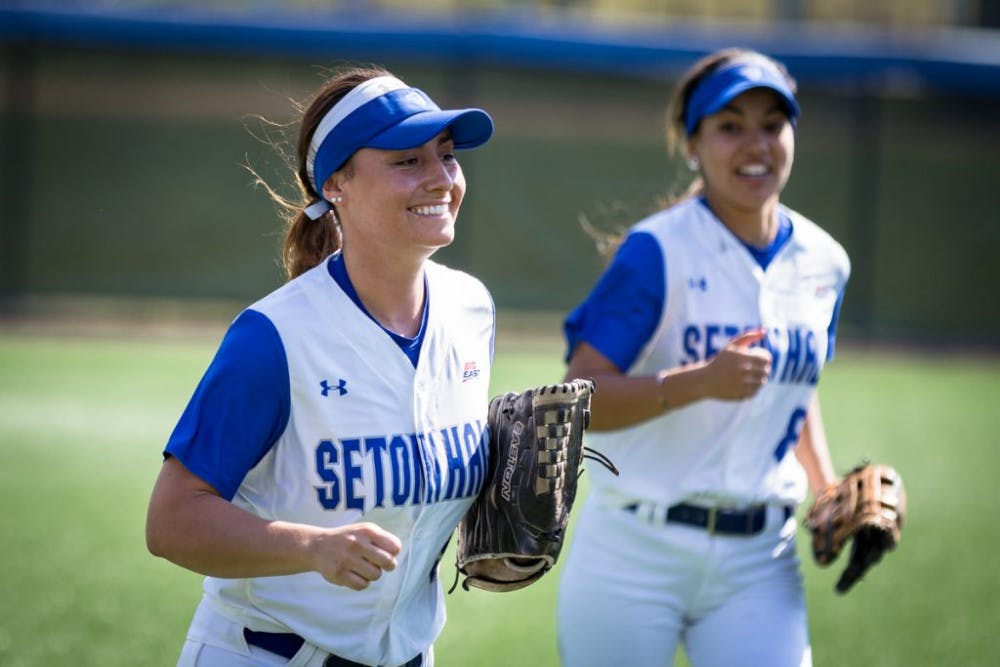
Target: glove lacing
x,y
594,455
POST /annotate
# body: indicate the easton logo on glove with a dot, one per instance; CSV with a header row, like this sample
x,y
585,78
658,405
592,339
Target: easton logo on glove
x,y
508,471
514,531
868,507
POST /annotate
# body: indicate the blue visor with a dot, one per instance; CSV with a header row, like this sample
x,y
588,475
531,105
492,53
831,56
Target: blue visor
x,y
399,119
722,86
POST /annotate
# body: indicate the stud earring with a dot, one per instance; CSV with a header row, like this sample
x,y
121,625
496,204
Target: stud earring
x,y
692,163
337,200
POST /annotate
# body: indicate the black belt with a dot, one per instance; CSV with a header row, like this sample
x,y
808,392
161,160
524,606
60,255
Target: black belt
x,y
287,645
717,520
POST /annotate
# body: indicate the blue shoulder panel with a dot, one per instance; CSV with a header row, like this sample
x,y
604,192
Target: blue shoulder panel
x,y
620,314
239,409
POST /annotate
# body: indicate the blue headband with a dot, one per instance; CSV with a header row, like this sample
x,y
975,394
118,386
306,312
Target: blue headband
x,y
385,113
720,87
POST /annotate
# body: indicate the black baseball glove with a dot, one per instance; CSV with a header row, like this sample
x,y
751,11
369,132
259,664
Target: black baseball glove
x,y
514,531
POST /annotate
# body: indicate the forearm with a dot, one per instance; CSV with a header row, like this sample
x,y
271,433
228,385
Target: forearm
x,y
736,373
216,538
191,525
209,535
620,400
813,452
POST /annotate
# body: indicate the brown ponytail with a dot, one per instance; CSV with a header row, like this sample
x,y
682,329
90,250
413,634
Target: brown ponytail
x,y
308,242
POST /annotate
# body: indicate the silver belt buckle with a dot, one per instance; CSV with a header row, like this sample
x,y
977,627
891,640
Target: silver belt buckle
x,y
711,520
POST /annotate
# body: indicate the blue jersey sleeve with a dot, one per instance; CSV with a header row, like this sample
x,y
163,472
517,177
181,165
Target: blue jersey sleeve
x,y
621,313
239,408
831,332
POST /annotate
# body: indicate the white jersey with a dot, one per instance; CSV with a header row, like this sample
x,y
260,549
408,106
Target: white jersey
x,y
729,451
369,438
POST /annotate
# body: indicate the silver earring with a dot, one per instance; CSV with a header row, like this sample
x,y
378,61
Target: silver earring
x,y
692,163
337,200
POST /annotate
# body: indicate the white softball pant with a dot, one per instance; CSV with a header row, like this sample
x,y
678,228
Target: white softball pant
x,y
216,641
634,587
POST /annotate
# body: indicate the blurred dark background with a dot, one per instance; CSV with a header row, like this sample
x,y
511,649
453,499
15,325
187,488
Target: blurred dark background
x,y
125,129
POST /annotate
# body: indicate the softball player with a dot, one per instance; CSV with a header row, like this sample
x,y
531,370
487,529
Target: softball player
x,y
336,439
706,337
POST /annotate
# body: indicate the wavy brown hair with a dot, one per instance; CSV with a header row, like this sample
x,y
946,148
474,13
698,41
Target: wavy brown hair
x,y
308,242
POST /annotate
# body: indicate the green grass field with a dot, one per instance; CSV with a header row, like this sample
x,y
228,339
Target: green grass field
x,y
83,420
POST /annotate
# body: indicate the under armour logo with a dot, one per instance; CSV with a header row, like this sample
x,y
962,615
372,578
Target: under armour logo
x,y
341,387
698,283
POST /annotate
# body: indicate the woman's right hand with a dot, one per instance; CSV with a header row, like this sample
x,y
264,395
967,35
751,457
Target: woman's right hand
x,y
740,370
355,555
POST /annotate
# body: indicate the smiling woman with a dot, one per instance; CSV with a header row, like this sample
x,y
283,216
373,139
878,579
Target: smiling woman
x,y
707,335
305,476
397,131
397,208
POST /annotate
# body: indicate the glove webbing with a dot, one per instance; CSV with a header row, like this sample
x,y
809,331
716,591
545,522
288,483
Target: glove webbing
x,y
553,436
